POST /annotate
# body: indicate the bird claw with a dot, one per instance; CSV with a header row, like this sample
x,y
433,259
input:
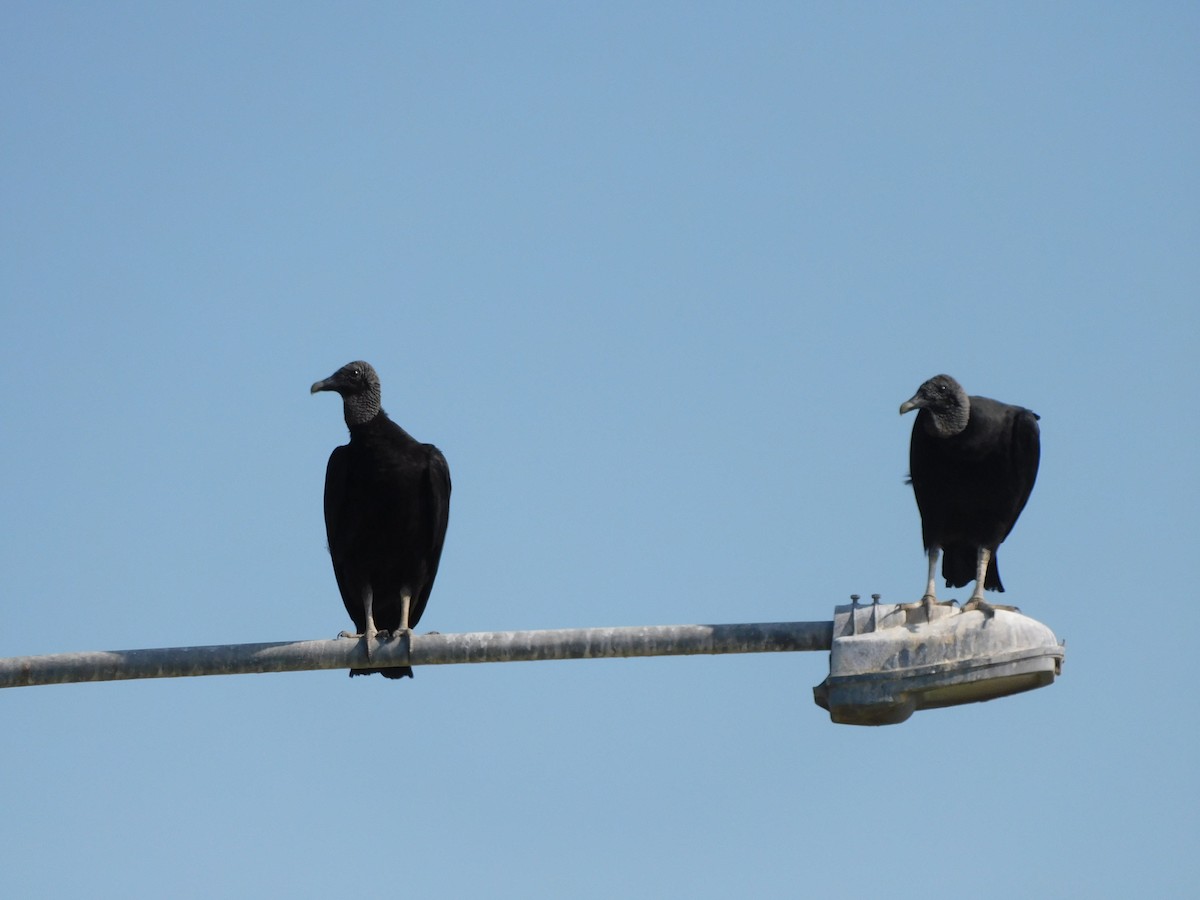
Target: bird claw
x,y
927,603
988,609
359,637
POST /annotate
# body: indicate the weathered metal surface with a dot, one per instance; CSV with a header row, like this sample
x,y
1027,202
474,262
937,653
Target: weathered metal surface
x,y
416,650
885,662
888,661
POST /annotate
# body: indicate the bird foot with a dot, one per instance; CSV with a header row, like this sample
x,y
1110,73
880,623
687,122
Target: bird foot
x,y
988,609
393,635
358,637
370,637
927,603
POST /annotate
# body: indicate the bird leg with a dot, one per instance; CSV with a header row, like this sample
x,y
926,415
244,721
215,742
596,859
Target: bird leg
x,y
930,600
405,606
982,559
370,631
931,583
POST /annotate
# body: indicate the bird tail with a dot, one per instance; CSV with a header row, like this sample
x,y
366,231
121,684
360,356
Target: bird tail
x,y
958,567
390,672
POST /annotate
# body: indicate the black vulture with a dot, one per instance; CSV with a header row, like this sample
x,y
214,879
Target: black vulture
x,y
387,502
972,465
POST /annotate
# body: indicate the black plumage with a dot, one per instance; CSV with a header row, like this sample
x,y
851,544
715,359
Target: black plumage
x,y
387,503
973,462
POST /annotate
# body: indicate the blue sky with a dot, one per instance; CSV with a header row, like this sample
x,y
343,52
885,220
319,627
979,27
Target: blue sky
x,y
655,277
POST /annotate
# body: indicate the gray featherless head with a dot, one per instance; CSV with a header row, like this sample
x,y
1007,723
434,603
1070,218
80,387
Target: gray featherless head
x,y
358,385
947,403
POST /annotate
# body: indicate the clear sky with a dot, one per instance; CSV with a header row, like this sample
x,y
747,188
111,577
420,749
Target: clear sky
x,y
656,278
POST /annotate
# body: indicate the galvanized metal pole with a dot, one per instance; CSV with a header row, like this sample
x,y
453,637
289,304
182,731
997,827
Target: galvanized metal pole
x,y
416,650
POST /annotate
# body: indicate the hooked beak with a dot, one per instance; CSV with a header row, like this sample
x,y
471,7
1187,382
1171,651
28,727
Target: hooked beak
x,y
325,384
906,406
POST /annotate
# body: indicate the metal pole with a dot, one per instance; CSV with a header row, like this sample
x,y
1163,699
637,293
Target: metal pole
x,y
416,650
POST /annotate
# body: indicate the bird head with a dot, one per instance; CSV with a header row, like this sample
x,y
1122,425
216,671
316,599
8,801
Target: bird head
x,y
358,385
947,402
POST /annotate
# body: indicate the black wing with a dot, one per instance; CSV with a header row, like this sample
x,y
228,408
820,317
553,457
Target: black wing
x,y
435,490
924,475
340,529
1025,454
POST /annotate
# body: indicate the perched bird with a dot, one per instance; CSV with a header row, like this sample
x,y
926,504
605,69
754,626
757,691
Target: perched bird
x,y
972,465
387,502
